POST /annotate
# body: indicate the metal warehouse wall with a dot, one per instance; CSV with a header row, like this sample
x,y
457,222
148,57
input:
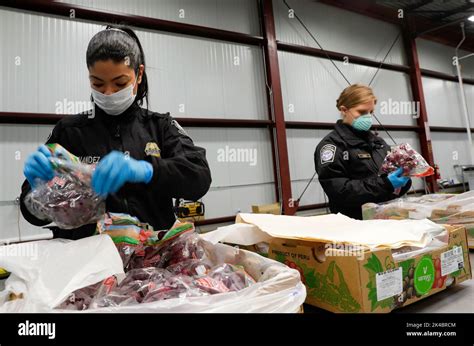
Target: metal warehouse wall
x,y
443,103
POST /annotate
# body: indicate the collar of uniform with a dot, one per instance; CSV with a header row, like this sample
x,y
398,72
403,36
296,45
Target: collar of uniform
x,y
126,116
350,136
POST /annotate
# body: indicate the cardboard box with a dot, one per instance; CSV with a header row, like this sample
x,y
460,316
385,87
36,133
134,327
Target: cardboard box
x,y
342,279
273,208
470,235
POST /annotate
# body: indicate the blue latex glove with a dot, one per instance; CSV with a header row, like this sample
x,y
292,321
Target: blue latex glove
x,y
397,179
38,166
116,169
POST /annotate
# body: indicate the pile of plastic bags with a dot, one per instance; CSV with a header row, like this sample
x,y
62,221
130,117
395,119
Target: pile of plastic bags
x,y
158,266
440,208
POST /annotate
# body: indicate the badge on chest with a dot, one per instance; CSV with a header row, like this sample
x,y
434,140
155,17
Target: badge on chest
x,y
364,156
152,149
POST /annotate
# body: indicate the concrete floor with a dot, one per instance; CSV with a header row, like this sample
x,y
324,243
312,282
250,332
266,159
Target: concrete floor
x,y
459,299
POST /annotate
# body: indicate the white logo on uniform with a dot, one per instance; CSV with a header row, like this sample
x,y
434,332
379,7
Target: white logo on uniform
x,y
327,153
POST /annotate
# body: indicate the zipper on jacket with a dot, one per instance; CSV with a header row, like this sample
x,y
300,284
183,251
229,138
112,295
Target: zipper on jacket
x,y
126,205
117,135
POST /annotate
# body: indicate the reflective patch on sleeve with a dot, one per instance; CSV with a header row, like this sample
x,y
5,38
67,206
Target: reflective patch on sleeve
x,y
327,153
179,128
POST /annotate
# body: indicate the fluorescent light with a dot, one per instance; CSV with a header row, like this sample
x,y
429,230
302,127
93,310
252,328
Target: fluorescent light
x,y
471,18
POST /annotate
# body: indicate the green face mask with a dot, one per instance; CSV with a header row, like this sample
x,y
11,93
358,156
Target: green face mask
x,y
363,123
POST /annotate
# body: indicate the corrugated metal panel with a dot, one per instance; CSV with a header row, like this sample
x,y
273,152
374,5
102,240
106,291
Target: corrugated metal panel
x,y
443,102
187,76
44,67
228,201
439,57
209,78
17,142
338,30
450,149
312,85
239,16
469,91
301,146
236,185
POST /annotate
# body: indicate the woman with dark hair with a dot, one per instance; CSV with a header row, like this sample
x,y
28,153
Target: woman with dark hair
x,y
145,158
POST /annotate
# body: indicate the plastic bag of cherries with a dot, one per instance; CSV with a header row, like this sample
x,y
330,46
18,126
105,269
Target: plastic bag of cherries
x,y
68,199
413,164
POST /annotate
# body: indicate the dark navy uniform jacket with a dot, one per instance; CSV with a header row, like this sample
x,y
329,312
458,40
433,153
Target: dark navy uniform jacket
x,y
348,163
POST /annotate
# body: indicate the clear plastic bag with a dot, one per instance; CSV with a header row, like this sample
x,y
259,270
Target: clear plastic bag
x,y
133,288
147,285
130,236
439,208
234,277
68,199
413,164
178,286
84,298
186,247
190,267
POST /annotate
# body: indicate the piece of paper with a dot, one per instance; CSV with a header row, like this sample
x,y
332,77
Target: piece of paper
x,y
389,283
339,228
238,233
452,261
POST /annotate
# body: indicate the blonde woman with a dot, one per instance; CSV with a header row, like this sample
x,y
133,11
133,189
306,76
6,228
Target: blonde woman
x,y
348,159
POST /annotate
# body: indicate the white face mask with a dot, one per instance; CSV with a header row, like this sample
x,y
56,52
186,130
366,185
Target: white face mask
x,y
116,103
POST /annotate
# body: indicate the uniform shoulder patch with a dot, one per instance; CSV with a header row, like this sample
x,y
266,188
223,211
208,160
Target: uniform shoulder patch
x,y
327,153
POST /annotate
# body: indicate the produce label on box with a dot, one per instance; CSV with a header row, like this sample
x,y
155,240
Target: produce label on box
x,y
452,260
424,275
389,283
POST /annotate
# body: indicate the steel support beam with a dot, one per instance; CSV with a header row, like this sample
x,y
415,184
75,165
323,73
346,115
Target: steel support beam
x,y
277,110
418,96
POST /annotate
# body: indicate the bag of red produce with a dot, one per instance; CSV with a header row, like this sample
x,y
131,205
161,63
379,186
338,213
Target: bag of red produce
x,y
176,286
68,199
129,235
413,164
83,298
163,248
133,288
234,277
190,267
188,246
